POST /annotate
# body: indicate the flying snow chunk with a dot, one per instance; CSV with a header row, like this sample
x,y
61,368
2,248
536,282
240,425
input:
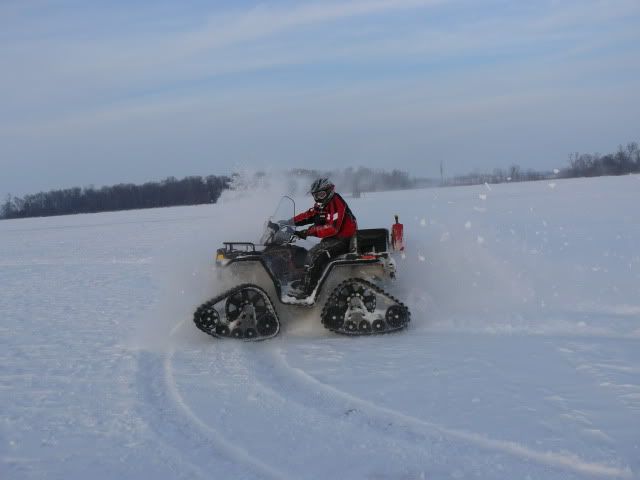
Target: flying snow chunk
x,y
552,185
423,223
480,240
482,196
467,225
422,258
556,171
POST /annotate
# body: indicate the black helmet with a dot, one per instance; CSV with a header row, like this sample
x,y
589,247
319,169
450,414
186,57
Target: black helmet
x,y
322,190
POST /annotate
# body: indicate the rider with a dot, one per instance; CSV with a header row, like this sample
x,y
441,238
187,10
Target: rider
x,y
333,222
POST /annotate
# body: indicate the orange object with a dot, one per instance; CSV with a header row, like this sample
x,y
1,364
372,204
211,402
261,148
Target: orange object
x,y
397,236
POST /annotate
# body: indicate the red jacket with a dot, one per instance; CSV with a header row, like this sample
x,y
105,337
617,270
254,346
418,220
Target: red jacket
x,y
333,220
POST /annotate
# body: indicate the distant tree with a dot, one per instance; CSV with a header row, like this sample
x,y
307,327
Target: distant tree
x,y
168,192
514,173
7,209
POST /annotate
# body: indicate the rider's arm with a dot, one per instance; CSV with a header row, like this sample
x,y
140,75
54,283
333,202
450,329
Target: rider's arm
x,y
305,218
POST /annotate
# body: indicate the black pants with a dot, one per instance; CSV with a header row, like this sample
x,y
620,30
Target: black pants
x,y
319,256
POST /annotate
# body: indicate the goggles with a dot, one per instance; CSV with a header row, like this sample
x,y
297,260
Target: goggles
x,y
320,195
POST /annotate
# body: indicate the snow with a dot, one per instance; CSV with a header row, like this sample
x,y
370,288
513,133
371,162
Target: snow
x,y
522,359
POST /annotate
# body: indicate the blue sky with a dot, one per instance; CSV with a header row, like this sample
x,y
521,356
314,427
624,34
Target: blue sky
x,y
129,91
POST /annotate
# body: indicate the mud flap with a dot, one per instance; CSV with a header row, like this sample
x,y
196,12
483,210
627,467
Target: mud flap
x,y
397,236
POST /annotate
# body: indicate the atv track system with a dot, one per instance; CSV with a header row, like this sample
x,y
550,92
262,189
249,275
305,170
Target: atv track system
x,y
359,307
244,313
354,307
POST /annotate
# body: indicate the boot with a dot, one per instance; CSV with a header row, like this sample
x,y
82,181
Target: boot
x,y
297,289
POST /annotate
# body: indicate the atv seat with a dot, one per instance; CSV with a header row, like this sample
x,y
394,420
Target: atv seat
x,y
370,240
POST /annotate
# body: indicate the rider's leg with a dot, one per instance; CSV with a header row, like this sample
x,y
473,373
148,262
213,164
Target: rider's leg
x,y
318,258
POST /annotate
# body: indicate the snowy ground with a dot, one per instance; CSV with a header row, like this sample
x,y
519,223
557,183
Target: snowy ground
x,y
522,359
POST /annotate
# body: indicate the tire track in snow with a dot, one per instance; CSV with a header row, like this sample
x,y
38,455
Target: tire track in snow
x,y
383,419
306,415
324,406
171,453
328,414
385,416
315,424
232,451
196,440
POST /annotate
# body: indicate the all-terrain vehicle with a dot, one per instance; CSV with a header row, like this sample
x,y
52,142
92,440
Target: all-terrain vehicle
x,y
349,289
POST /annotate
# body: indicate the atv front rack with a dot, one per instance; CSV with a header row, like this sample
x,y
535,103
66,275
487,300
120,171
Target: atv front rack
x,y
232,250
231,246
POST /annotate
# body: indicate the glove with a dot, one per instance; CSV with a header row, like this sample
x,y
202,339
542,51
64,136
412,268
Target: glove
x,y
273,226
302,234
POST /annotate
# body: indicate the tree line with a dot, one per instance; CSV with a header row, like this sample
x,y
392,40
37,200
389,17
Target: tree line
x,y
199,190
500,175
364,179
624,161
168,192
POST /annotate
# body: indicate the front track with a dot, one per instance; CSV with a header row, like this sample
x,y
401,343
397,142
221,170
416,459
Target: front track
x,y
245,313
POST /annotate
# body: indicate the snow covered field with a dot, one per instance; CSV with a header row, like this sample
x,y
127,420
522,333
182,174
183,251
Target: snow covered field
x,y
522,359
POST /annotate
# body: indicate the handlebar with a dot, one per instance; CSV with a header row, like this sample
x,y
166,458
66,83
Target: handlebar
x,y
280,233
